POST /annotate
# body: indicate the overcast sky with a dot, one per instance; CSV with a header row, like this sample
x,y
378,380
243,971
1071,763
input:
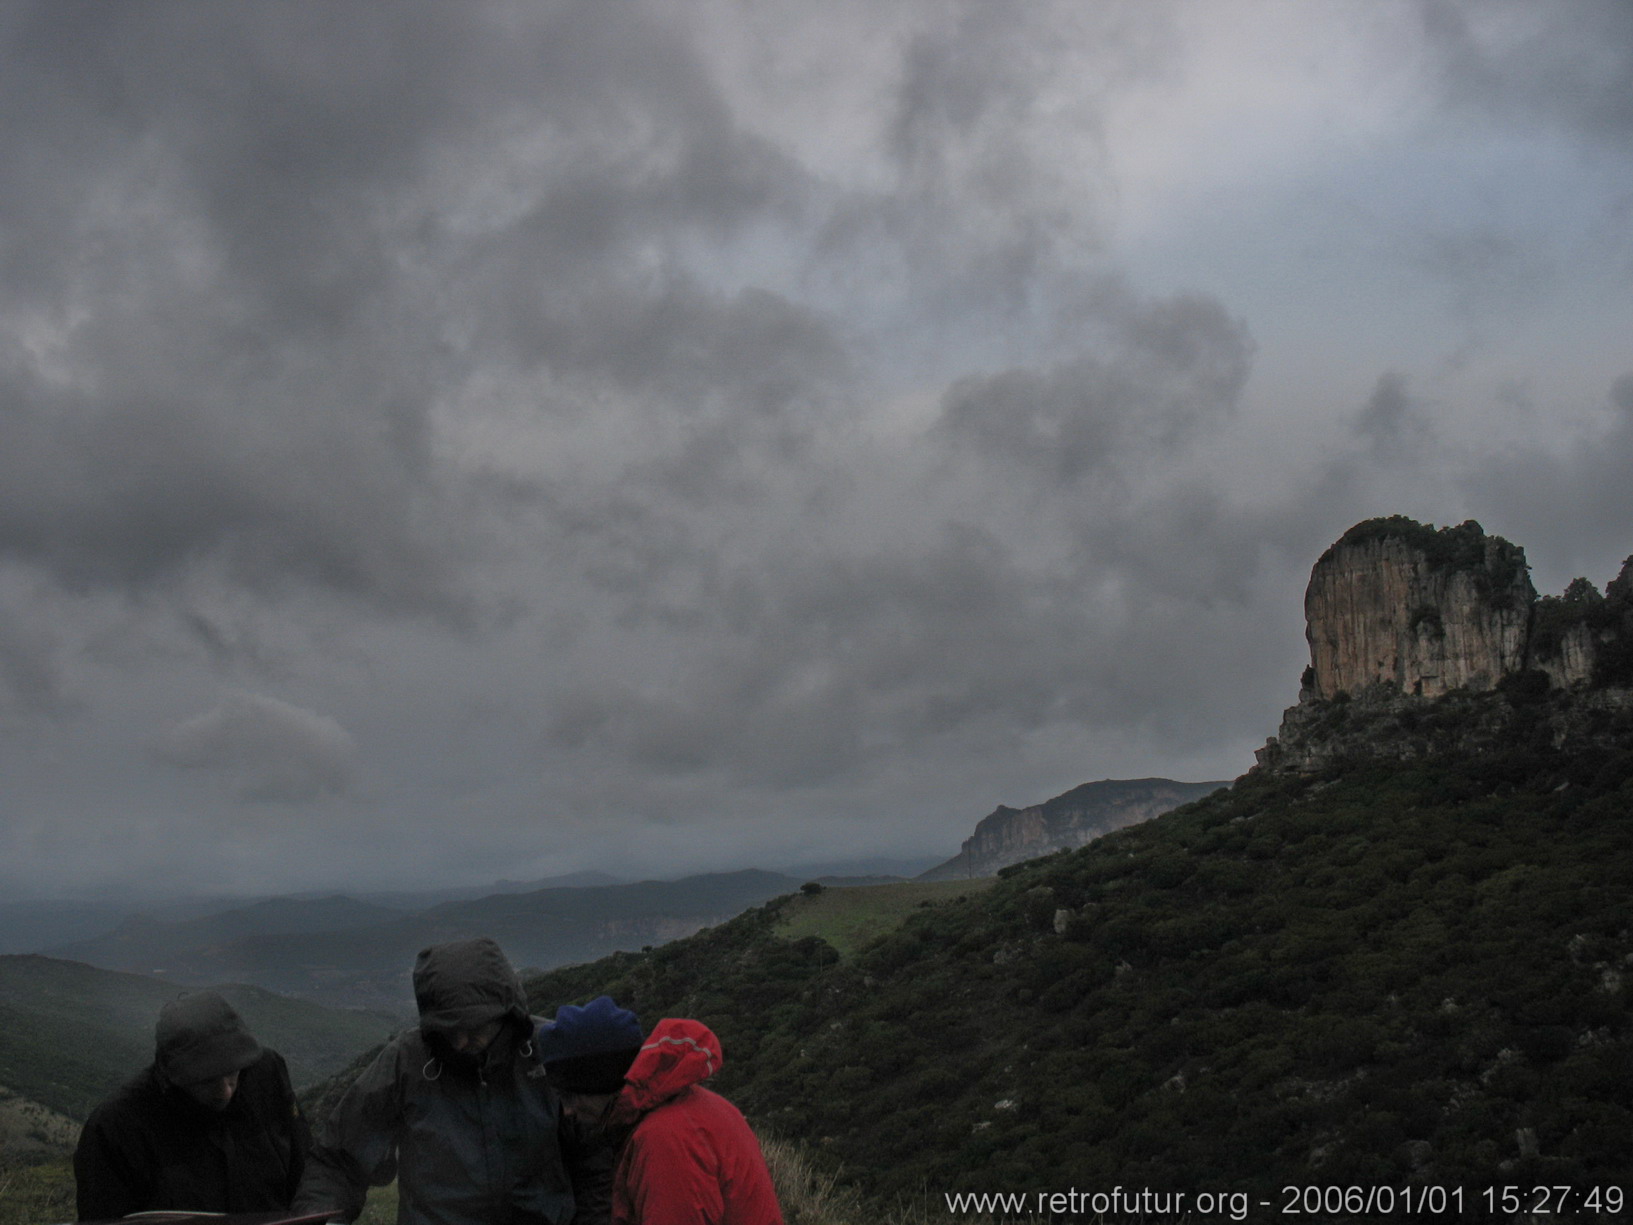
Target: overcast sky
x,y
442,442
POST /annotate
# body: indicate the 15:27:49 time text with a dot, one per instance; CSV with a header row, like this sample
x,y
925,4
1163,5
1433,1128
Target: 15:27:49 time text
x,y
1556,1200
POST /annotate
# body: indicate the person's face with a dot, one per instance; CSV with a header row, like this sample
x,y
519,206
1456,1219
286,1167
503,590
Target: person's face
x,y
476,1040
586,1108
215,1093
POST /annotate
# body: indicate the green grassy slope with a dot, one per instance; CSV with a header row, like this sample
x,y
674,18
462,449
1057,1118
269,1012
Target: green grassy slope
x,y
1414,974
850,917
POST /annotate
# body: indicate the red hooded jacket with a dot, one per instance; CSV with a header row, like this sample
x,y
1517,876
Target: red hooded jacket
x,y
692,1158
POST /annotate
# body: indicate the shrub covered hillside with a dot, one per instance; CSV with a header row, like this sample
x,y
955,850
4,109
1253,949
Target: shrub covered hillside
x,y
1407,974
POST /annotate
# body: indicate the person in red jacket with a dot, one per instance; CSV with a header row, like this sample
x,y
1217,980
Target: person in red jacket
x,y
690,1157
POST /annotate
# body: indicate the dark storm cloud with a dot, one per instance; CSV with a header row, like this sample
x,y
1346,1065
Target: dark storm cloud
x,y
1575,502
1486,271
200,370
770,424
1175,368
1393,421
31,676
243,258
272,751
699,351
827,652
127,490
1568,64
997,172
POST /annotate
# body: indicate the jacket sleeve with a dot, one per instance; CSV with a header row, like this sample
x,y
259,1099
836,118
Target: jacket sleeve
x,y
294,1121
357,1145
105,1182
590,1154
672,1177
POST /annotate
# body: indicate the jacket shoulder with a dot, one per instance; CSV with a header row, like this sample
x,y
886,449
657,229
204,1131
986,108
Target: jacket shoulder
x,y
136,1098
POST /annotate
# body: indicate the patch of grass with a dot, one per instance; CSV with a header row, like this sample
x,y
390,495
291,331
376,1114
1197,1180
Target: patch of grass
x,y
851,917
37,1194
810,1192
44,1195
381,1208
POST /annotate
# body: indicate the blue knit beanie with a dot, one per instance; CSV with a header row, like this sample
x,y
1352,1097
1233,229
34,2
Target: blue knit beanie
x,y
590,1029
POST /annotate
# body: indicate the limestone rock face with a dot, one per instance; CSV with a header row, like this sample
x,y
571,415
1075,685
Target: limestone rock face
x,y
1423,611
1569,662
1426,641
1010,835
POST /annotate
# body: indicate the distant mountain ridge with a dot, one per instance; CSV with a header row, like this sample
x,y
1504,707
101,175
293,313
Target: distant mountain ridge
x,y
364,957
1072,819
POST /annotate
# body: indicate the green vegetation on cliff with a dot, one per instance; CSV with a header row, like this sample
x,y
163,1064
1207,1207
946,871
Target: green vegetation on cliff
x,y
1403,973
1494,564
1606,619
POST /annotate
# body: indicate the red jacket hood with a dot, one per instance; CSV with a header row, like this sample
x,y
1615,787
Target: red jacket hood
x,y
677,1055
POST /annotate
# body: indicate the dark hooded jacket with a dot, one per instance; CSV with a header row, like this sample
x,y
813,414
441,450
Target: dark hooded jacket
x,y
472,1140
150,1146
691,1158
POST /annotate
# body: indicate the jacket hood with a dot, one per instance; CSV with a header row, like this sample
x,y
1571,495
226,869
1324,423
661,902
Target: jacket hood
x,y
199,1037
678,1055
466,984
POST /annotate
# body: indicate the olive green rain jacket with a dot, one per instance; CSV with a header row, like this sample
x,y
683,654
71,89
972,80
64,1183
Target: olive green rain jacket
x,y
472,1141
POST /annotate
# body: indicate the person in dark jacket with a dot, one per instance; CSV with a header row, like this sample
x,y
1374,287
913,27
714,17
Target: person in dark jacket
x,y
458,1109
210,1126
585,1052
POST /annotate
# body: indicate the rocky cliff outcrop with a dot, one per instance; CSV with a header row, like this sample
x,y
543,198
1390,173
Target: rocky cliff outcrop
x,y
1397,603
1010,835
1425,640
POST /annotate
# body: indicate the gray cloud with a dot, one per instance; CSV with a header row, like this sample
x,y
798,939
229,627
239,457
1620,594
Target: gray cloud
x,y
32,682
273,752
756,414
1569,64
1575,502
1393,421
1177,368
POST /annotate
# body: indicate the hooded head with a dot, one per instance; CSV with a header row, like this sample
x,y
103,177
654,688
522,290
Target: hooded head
x,y
588,1049
465,986
678,1055
200,1038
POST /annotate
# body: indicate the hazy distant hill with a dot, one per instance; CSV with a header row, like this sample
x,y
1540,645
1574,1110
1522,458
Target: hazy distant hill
x,y
51,925
149,946
875,865
69,1032
28,927
424,899
365,961
1070,820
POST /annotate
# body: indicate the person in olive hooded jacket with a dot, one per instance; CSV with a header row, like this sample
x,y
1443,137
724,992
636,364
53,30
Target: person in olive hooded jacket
x,y
458,1109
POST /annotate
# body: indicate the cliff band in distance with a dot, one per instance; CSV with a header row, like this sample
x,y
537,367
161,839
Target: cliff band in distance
x,y
1009,835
